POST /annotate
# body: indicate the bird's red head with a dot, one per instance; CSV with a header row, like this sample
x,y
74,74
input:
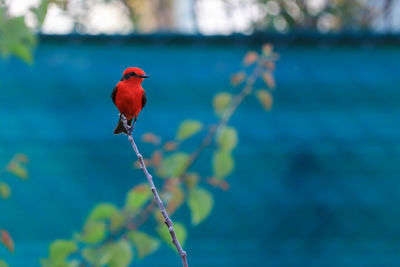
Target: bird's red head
x,y
133,73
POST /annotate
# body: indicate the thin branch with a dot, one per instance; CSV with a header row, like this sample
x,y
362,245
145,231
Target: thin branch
x,y
224,119
207,141
157,198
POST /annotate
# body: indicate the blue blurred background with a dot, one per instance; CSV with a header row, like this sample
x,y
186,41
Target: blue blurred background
x,y
315,181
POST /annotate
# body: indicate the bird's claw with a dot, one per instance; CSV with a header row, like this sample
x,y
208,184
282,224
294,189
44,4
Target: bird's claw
x,y
129,130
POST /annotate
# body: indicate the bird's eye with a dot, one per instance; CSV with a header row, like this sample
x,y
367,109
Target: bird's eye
x,y
128,75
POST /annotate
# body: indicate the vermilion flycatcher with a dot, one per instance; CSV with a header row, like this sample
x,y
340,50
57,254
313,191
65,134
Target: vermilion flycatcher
x,y
129,96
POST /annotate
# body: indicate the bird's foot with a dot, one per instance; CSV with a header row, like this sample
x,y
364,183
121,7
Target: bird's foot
x,y
129,130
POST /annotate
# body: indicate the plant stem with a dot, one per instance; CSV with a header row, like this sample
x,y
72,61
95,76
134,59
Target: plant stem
x,y
224,119
211,133
157,198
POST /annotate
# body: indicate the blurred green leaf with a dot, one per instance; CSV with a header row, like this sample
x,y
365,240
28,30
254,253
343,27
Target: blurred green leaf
x,y
200,203
102,211
116,254
180,232
144,243
191,179
74,263
61,249
221,102
41,11
122,254
93,232
15,37
173,165
97,257
5,190
3,264
223,164
137,197
188,128
18,170
265,98
227,138
117,221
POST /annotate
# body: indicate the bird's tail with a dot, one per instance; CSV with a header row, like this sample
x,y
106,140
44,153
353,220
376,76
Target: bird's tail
x,y
121,128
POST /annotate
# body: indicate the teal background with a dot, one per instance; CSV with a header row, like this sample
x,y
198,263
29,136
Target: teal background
x,y
316,179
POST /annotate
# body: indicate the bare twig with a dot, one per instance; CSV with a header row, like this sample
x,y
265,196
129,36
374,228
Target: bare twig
x,y
157,198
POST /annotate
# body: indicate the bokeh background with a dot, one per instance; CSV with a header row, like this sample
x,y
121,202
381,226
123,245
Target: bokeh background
x,y
315,181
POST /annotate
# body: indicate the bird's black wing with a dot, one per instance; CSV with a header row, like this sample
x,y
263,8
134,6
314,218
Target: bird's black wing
x,y
144,100
114,94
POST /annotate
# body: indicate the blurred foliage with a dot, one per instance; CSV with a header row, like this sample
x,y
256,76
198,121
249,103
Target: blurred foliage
x,y
112,235
16,38
324,15
16,167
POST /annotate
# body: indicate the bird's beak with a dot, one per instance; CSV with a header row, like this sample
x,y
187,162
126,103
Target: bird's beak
x,y
143,76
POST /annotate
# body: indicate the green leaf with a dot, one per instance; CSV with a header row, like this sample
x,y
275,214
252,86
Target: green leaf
x,y
102,211
61,249
117,254
221,102
180,232
98,257
200,203
265,98
74,263
93,232
121,254
15,37
227,138
173,165
117,221
5,190
144,243
3,264
18,170
137,197
41,11
223,164
188,128
23,51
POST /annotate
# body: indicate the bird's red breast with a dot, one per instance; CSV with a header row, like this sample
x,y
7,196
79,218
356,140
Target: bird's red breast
x,y
129,98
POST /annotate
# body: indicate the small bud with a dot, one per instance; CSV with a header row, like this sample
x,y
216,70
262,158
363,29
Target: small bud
x,y
151,138
267,49
224,185
170,146
156,158
250,58
7,240
265,98
269,79
238,78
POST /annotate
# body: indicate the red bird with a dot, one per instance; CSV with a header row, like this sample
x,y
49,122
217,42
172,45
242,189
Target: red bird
x,y
129,97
